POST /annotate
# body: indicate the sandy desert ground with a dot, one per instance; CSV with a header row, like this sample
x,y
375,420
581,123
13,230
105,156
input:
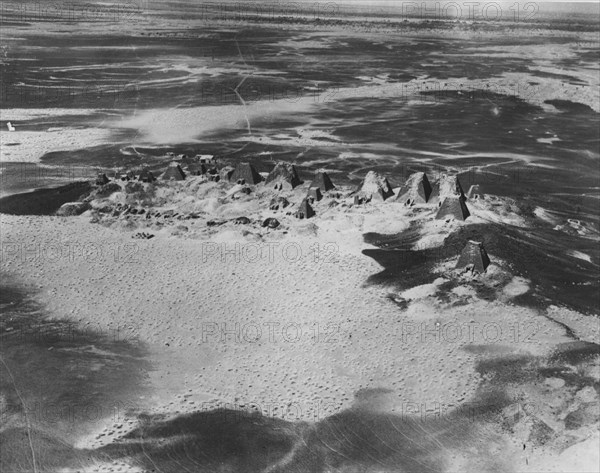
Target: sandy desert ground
x,y
345,342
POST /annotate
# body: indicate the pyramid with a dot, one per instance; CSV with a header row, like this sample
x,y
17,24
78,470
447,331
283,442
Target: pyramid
x,y
416,190
375,187
314,194
245,172
101,179
473,256
146,175
285,174
447,186
322,181
174,173
453,207
305,210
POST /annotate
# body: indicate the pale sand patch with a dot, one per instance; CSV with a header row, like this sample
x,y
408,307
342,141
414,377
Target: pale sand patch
x,y
15,114
30,146
307,333
583,457
516,287
580,255
178,125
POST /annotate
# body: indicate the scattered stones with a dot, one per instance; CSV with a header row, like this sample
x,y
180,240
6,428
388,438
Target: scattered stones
x,y
133,187
278,202
271,223
142,236
358,200
241,221
215,223
107,190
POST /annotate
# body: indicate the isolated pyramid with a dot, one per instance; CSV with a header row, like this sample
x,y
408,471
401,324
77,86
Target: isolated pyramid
x,y
101,179
416,190
285,174
453,207
322,181
474,257
447,186
245,172
146,175
305,210
174,173
375,187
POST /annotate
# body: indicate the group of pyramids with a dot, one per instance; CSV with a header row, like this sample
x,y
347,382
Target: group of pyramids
x,y
447,193
284,176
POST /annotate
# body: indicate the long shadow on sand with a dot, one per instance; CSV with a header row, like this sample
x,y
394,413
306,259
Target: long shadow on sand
x,y
536,254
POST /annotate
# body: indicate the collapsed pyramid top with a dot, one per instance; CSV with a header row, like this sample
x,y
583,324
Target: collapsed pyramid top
x,y
375,187
284,172
447,186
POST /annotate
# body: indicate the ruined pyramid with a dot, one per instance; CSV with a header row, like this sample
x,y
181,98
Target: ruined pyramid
x,y
284,174
375,187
